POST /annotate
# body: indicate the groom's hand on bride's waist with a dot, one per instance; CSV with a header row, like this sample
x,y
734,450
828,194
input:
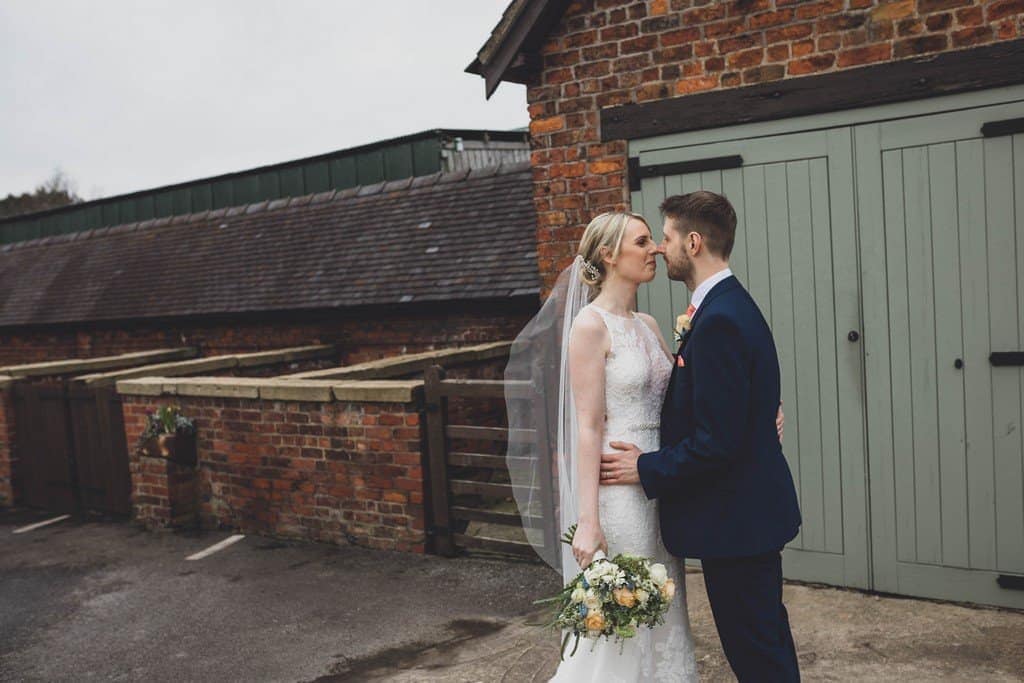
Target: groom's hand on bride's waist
x,y
620,467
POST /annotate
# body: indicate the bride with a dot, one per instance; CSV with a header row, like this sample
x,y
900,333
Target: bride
x,y
613,370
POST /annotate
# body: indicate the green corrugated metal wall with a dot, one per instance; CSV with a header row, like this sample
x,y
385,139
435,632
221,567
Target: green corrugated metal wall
x,y
391,160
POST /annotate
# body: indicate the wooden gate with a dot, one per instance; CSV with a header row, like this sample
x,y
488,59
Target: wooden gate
x,y
101,452
71,448
45,475
472,489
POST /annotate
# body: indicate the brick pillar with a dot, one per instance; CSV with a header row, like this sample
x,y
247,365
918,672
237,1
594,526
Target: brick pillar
x,y
7,455
164,493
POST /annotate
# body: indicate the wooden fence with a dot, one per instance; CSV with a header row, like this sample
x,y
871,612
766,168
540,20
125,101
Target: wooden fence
x,y
456,475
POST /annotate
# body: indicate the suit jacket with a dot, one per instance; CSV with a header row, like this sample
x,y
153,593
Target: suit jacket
x,y
723,485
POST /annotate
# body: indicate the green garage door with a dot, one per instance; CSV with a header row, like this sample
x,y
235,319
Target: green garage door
x,y
942,226
796,251
904,440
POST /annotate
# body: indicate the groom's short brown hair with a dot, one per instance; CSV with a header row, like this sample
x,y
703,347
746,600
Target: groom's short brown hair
x,y
709,214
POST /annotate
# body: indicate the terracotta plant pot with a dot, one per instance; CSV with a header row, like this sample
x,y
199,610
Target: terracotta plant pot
x,y
179,448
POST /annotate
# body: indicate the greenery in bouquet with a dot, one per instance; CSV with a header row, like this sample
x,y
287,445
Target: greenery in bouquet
x,y
612,598
167,419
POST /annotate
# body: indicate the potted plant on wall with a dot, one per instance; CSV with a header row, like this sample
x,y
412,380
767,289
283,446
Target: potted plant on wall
x,y
171,435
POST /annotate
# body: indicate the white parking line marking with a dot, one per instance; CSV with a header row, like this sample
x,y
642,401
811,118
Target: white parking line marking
x,y
230,540
30,527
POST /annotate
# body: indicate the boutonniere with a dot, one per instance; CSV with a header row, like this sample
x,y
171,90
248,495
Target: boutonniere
x,y
682,327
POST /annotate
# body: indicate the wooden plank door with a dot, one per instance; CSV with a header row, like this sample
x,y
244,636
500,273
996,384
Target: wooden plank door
x,y
942,253
796,252
101,453
45,466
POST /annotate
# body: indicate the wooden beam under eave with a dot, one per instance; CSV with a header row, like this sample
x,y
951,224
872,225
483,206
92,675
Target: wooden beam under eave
x,y
991,66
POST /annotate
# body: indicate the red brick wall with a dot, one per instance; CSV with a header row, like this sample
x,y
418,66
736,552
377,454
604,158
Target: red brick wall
x,y
375,333
336,472
607,53
6,449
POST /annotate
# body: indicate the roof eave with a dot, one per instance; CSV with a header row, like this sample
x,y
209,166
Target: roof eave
x,y
513,55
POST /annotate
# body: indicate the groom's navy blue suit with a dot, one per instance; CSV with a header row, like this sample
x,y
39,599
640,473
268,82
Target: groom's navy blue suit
x,y
725,492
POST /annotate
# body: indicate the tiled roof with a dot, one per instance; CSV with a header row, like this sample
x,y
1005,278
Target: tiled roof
x,y
468,235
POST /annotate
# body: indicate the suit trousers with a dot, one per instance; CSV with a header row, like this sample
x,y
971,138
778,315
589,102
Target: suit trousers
x,y
753,625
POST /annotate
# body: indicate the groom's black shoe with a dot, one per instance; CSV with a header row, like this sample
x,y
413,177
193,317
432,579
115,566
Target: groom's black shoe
x,y
746,600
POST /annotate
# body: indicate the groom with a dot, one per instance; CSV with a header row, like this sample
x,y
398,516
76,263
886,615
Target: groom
x,y
725,492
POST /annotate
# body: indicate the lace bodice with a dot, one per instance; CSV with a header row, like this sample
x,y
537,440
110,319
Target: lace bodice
x,y
636,375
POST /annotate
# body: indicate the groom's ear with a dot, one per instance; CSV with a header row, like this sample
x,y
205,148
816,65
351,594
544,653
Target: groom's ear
x,y
694,242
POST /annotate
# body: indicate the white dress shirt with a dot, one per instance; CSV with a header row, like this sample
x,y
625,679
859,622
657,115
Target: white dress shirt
x,y
703,288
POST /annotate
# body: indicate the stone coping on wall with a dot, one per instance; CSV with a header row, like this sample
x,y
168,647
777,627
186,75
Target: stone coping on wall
x,y
410,363
211,364
70,366
276,389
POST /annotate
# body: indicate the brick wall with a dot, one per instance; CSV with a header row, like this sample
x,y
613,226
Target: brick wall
x,y
371,334
607,53
337,472
6,449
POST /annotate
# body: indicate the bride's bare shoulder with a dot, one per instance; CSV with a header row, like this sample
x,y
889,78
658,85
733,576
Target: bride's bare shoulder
x,y
588,329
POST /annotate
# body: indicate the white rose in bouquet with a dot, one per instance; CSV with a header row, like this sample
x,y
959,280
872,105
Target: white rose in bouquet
x,y
659,575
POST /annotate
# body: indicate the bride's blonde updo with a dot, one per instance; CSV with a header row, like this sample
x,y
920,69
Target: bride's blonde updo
x,y
605,230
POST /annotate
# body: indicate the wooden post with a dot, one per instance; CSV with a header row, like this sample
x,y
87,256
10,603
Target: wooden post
x,y
545,453
436,406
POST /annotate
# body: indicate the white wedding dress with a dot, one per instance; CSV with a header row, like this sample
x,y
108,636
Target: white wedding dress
x,y
636,376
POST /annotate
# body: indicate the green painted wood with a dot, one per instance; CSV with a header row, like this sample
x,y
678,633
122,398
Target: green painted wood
x,y
1006,382
800,242
106,214
643,294
827,451
659,289
923,382
949,517
846,496
948,347
781,321
711,180
732,189
902,446
980,474
756,219
875,252
785,252
1015,559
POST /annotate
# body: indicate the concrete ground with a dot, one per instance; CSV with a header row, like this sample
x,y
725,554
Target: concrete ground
x,y
92,599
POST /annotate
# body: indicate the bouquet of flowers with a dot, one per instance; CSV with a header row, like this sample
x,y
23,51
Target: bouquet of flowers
x,y
612,598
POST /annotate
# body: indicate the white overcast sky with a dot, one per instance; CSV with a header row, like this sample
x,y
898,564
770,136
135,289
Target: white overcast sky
x,y
127,95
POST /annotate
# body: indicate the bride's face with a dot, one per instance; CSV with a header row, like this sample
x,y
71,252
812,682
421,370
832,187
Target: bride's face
x,y
637,259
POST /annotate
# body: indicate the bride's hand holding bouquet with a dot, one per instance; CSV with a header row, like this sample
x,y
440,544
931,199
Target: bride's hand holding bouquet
x,y
587,538
609,598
